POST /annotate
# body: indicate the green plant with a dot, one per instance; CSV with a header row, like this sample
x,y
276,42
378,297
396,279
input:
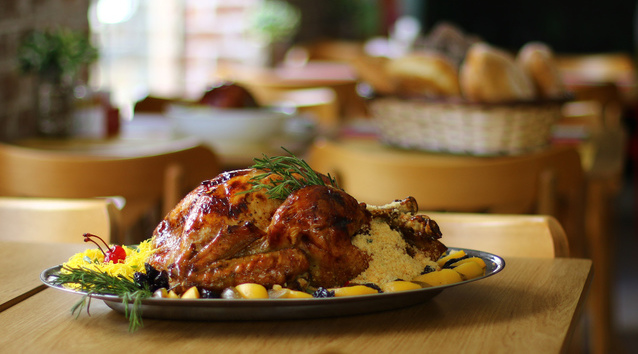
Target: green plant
x,y
55,55
276,20
351,19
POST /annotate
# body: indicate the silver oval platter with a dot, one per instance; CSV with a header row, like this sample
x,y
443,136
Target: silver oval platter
x,y
278,309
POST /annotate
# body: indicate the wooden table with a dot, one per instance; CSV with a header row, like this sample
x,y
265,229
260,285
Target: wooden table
x,y
582,72
125,146
22,264
263,81
150,133
532,306
603,158
311,74
144,135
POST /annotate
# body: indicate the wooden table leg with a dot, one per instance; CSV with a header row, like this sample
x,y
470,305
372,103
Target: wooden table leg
x,y
601,239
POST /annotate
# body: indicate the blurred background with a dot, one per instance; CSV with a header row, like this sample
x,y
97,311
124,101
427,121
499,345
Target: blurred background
x,y
176,48
172,48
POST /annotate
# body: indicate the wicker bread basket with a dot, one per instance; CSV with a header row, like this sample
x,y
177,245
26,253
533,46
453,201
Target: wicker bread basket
x,y
465,128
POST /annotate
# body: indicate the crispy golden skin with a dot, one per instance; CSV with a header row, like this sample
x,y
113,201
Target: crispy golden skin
x,y
219,236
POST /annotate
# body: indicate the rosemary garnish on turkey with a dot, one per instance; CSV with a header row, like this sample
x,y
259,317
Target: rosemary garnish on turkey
x,y
294,174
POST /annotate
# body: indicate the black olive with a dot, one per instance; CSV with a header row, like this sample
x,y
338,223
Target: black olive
x,y
151,271
428,269
373,286
141,279
160,281
323,292
209,294
449,263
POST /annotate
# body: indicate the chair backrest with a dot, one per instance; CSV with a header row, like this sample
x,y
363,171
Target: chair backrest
x,y
548,182
144,181
504,235
58,219
579,120
608,96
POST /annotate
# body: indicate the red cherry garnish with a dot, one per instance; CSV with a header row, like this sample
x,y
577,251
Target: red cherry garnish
x,y
115,254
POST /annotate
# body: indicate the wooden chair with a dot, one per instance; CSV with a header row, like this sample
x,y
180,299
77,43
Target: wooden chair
x,y
549,182
505,235
608,96
579,121
534,236
58,220
144,181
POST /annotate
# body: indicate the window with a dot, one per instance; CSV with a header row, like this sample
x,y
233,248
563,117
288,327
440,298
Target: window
x,y
167,48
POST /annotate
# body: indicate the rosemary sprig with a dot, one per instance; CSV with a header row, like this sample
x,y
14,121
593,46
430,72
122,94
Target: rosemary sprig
x,y
99,282
295,174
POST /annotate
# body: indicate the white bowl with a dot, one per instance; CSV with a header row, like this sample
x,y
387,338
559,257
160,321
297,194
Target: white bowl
x,y
230,131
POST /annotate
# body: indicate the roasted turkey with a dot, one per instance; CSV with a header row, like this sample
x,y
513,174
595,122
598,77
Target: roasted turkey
x,y
226,233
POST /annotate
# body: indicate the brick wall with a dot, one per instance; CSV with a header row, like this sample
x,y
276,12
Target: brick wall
x,y
17,18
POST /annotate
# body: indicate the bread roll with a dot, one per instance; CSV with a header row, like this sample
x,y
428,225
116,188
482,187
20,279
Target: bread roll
x,y
424,73
449,39
537,59
491,75
372,70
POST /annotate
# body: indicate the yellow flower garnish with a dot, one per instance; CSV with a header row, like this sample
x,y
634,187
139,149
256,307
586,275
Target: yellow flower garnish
x,y
93,259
